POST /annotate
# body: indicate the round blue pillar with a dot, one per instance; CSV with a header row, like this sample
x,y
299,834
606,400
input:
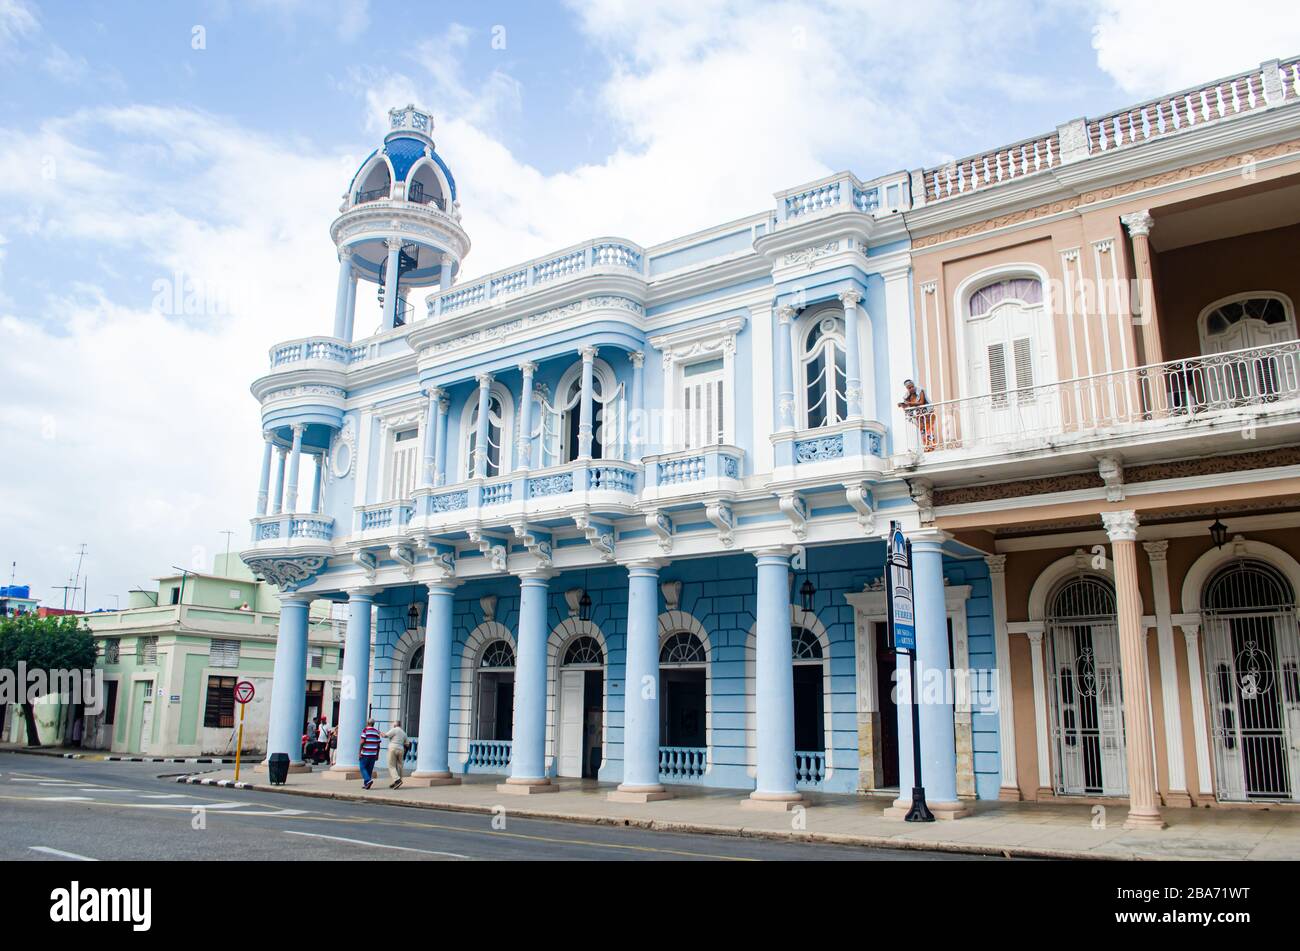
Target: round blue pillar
x,y
641,689
289,684
528,748
355,687
774,683
934,695
431,766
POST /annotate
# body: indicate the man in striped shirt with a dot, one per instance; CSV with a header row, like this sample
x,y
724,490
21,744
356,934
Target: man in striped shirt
x,y
371,739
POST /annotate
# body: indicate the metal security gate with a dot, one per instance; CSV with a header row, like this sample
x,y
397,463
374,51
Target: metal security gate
x,y
1088,725
1252,654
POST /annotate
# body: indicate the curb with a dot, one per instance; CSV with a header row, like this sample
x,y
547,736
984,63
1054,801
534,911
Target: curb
x,y
169,759
672,825
54,752
224,783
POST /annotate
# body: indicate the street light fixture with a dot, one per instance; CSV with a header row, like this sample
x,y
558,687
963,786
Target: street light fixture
x,y
1218,533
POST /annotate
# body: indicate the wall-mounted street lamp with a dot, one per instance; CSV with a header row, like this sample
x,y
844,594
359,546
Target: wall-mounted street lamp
x,y
1218,533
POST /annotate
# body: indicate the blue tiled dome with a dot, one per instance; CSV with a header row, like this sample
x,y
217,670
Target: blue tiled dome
x,y
404,152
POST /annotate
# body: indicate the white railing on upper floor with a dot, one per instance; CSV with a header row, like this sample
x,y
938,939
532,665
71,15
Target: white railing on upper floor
x,y
844,192
1271,83
602,255
295,352
1178,392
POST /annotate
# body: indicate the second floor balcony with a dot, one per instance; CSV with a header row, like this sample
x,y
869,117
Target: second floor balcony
x,y
1235,398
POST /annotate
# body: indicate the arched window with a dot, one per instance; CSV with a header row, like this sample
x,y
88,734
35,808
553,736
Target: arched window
x,y
804,645
1005,339
498,654
559,424
375,183
411,703
681,648
494,692
583,652
1088,728
825,383
423,185
500,425
1252,648
809,699
1255,319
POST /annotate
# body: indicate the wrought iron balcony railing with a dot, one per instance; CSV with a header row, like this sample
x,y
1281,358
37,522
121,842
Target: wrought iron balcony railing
x,y
1111,403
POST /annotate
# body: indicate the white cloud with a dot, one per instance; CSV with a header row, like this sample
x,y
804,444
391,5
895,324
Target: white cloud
x,y
16,21
1163,45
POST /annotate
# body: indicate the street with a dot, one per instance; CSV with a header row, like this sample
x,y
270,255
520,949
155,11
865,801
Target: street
x,y
65,809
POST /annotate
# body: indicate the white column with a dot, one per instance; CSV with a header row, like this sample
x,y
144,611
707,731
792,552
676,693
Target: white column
x,y
444,273
585,428
352,307
264,484
440,454
432,767
427,474
774,686
1041,727
482,431
783,365
898,323
341,295
295,461
319,462
528,748
853,354
390,282
1196,684
354,698
1156,554
277,498
637,422
1009,786
524,447
641,689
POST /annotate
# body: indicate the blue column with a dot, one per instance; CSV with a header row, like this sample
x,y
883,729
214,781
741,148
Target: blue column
x,y
938,742
481,432
524,449
781,363
390,283
641,689
289,685
315,483
295,459
774,683
853,356
264,484
352,309
431,766
637,423
528,749
277,498
355,687
341,294
440,459
430,438
585,429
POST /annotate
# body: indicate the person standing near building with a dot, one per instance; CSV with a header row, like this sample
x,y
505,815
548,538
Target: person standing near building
x,y
397,746
370,740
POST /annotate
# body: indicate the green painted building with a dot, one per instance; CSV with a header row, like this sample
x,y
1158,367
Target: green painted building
x,y
172,657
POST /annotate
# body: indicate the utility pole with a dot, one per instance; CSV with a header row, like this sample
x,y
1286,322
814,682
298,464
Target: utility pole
x,y
228,533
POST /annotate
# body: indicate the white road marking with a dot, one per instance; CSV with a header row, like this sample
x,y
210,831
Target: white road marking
x,y
61,854
62,799
375,845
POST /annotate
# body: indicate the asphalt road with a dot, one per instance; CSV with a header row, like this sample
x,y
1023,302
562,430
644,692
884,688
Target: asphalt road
x,y
61,809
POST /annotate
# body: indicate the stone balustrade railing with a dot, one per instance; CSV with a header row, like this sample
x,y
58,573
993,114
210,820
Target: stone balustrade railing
x,y
388,516
809,767
843,192
603,255
295,352
289,527
1272,83
682,764
686,467
488,755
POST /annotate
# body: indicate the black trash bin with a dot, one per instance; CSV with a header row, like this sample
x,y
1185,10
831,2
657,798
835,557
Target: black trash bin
x,y
278,767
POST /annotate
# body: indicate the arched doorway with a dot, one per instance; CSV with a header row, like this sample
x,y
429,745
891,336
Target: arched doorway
x,y
809,706
1252,660
580,722
1088,720
494,693
683,693
413,680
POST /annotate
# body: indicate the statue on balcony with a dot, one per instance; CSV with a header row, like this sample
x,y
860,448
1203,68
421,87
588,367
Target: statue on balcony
x,y
915,407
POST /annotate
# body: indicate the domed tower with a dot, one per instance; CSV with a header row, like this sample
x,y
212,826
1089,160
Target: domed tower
x,y
398,229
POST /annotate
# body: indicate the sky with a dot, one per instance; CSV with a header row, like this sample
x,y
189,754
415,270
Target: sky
x,y
146,147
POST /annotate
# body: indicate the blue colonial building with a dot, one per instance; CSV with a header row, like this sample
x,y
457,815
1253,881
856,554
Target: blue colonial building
x,y
618,512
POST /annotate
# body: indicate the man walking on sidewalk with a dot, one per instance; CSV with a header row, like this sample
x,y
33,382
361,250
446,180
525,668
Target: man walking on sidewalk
x,y
397,747
370,741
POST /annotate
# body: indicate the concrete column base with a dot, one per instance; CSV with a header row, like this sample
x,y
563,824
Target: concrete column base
x,y
773,802
1009,794
526,787
1144,820
341,773
641,794
431,779
1179,799
941,810
293,768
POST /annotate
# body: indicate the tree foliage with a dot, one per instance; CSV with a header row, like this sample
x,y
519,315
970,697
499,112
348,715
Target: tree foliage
x,y
58,642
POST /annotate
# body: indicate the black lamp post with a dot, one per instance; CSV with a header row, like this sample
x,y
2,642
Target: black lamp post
x,y
1218,533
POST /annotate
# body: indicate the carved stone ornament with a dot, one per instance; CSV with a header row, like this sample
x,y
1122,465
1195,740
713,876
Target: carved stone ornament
x,y
287,574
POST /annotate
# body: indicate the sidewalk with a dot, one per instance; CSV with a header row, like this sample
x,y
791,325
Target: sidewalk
x,y
1031,830
73,752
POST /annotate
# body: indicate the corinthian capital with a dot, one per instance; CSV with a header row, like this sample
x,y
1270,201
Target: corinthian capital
x,y
1139,223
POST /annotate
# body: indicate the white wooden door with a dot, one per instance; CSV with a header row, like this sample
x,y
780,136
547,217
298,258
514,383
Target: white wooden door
x,y
146,719
569,758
